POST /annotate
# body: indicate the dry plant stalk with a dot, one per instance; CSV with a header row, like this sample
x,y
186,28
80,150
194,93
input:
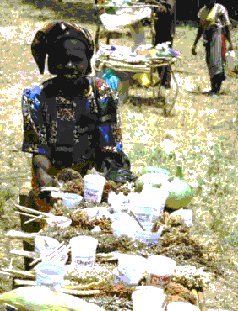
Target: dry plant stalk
x,y
19,273
31,210
24,253
71,291
15,234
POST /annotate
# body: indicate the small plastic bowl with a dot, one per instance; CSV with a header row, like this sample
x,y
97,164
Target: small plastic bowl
x,y
71,200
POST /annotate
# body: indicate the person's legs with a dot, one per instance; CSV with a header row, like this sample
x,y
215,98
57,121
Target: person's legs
x,y
216,82
164,73
215,59
213,85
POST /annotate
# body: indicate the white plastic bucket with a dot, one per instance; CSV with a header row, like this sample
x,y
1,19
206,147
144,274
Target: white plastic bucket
x,y
160,270
50,275
131,269
83,250
93,187
71,200
148,298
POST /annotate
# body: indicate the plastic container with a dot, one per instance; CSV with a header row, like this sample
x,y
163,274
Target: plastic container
x,y
144,215
148,237
142,210
45,243
118,224
49,251
50,275
83,250
58,221
131,269
118,201
93,187
160,270
148,298
148,205
71,200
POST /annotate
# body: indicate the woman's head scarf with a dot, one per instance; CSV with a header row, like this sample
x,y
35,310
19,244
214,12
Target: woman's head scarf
x,y
49,42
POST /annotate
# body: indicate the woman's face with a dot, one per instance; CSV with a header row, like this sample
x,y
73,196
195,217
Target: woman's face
x,y
72,61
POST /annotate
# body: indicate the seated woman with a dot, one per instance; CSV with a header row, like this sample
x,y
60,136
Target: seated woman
x,y
70,120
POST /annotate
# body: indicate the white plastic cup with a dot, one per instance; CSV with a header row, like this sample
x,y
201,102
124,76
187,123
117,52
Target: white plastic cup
x,y
118,224
48,250
148,298
160,269
93,187
44,243
144,215
131,269
83,249
50,275
142,210
148,205
71,200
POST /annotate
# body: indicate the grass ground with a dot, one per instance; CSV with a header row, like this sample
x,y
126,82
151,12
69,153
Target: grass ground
x,y
204,130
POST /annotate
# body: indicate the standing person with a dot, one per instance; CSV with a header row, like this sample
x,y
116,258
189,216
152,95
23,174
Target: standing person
x,y
214,26
164,28
71,120
164,21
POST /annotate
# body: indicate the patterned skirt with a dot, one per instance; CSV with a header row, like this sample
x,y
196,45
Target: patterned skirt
x,y
215,45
